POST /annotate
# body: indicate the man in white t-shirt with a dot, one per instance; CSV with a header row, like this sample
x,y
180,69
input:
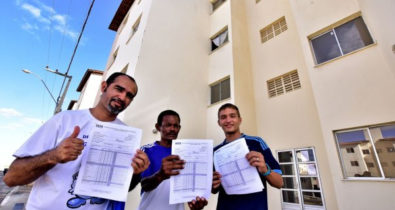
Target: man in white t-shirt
x,y
51,157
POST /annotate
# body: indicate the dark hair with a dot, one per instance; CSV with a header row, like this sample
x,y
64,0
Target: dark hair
x,y
229,105
113,76
165,113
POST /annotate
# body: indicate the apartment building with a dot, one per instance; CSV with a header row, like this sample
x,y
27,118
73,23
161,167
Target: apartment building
x,y
314,78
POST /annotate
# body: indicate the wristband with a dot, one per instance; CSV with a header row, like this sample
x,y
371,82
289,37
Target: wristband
x,y
269,170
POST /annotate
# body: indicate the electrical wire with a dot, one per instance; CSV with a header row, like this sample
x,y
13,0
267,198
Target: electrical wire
x,y
76,46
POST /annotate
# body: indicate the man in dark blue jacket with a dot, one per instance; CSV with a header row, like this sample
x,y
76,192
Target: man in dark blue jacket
x,y
260,156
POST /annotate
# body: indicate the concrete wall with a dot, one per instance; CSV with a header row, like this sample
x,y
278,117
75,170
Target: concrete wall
x,y
353,90
87,99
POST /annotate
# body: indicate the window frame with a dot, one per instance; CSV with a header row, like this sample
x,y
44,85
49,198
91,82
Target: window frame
x,y
271,27
216,35
135,27
298,177
281,89
331,29
215,7
375,152
219,82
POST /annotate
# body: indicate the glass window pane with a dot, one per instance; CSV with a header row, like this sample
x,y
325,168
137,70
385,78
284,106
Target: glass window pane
x,y
325,47
290,196
353,35
312,198
307,169
287,169
351,146
290,183
285,157
215,93
384,140
305,155
225,89
310,183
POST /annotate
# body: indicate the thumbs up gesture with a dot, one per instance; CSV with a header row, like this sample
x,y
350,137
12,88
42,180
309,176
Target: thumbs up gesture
x,y
70,148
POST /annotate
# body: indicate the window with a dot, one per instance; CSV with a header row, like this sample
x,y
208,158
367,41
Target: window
x,y
125,20
135,27
302,186
125,69
114,56
365,151
390,149
354,163
220,39
217,3
350,150
341,40
220,91
374,139
393,163
370,165
284,83
274,29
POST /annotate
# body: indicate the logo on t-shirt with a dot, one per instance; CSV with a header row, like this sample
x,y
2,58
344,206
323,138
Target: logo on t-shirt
x,y
80,200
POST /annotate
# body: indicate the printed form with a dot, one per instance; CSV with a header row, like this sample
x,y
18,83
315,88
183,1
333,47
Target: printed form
x,y
197,176
106,168
238,176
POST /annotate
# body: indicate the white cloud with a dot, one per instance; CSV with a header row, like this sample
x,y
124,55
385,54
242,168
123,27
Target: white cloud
x,y
9,112
43,16
68,32
60,19
29,27
36,12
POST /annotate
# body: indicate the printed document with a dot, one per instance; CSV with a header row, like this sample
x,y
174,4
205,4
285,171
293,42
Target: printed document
x,y
106,168
238,176
197,176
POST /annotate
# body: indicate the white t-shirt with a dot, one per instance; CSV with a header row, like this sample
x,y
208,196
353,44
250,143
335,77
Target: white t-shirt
x,y
55,188
158,198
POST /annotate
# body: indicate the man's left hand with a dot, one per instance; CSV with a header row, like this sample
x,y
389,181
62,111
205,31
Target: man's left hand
x,y
140,162
198,203
256,159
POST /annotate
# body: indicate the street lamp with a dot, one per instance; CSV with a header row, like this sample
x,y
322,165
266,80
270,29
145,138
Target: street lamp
x,y
59,101
29,72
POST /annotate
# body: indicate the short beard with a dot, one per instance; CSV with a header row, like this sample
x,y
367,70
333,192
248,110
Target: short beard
x,y
115,110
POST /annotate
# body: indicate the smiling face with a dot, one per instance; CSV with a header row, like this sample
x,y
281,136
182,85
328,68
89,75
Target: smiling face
x,y
118,95
229,120
169,128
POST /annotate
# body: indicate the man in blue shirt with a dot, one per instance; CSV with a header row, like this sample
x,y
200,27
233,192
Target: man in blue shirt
x,y
260,156
155,182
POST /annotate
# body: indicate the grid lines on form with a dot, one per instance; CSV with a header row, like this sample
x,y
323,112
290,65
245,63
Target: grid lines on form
x,y
103,167
233,172
192,177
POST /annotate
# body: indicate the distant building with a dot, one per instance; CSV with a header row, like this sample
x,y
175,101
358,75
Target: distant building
x,y
90,83
314,78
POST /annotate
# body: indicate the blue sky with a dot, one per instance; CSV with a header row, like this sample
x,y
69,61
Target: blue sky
x,y
37,33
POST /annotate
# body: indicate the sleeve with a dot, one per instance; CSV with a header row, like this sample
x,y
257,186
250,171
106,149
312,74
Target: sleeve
x,y
44,139
271,161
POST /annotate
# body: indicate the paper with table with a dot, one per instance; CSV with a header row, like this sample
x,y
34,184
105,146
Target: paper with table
x,y
197,176
238,176
106,166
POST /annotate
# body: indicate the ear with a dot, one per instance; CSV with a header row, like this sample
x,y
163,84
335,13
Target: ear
x,y
218,123
103,86
157,127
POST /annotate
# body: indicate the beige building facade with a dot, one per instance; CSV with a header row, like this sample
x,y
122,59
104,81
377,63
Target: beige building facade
x,y
314,78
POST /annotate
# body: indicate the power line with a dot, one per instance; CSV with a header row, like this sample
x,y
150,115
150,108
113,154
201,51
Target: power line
x,y
76,46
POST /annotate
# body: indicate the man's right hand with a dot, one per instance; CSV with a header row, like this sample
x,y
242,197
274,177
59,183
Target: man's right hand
x,y
171,165
70,148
